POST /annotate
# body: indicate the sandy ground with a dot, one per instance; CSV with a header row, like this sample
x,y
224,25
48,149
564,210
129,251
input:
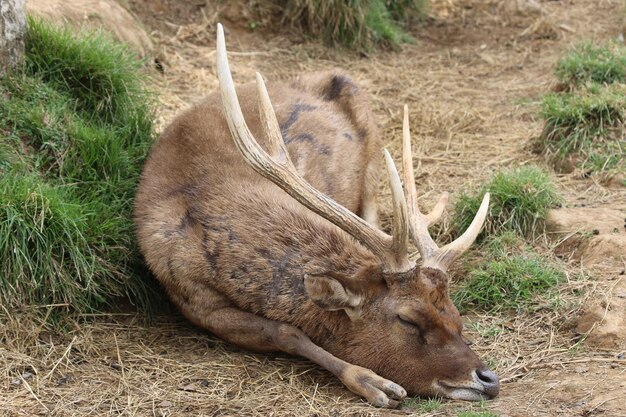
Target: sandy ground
x,y
472,80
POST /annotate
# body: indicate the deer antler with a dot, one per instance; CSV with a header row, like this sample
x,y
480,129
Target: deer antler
x,y
432,255
278,168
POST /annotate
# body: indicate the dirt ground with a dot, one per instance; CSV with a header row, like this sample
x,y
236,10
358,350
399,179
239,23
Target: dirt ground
x,y
472,81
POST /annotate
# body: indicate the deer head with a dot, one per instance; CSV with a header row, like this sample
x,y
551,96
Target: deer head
x,y
399,321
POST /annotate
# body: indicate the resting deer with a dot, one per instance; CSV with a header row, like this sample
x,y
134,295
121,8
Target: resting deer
x,y
250,226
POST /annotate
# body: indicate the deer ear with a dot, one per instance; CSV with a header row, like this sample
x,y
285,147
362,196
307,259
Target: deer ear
x,y
329,294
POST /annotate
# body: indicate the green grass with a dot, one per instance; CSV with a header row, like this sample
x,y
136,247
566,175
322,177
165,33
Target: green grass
x,y
75,127
586,123
8,156
422,405
520,199
585,119
101,76
44,248
588,62
510,277
406,10
357,24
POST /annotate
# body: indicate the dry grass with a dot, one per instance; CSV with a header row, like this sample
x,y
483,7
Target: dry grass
x,y
472,83
119,365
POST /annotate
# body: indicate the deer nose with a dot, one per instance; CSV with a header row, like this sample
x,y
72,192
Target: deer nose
x,y
489,380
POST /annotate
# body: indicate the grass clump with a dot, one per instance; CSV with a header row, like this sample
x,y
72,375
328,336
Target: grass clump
x,y
358,24
587,62
520,199
75,127
575,121
585,123
101,76
44,244
588,123
510,277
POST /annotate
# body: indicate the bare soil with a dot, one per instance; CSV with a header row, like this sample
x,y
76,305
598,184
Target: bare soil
x,y
472,81
592,235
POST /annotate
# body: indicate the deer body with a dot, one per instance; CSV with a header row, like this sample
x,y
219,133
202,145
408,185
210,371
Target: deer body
x,y
251,225
208,224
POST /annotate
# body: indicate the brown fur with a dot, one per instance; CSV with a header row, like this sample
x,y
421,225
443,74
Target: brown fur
x,y
244,260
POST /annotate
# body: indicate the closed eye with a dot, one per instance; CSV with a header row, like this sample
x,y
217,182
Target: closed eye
x,y
410,323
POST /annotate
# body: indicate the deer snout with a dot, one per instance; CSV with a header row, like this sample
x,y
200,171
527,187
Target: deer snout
x,y
489,381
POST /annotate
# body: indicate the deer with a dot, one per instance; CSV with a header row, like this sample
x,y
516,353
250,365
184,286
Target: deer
x,y
259,218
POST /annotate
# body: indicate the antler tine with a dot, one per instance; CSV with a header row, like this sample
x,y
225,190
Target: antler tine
x,y
407,165
284,174
447,254
401,217
409,179
432,255
435,214
277,148
419,222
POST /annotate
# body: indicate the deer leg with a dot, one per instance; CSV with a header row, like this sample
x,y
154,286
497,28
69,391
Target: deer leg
x,y
256,333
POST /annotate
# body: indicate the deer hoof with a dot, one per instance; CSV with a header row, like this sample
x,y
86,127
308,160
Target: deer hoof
x,y
376,390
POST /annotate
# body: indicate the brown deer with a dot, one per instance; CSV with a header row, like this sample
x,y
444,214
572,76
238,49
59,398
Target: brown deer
x,y
250,226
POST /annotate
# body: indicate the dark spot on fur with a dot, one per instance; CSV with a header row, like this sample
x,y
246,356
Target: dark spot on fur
x,y
264,253
337,85
301,137
186,221
286,270
165,232
211,250
362,133
293,116
306,137
240,273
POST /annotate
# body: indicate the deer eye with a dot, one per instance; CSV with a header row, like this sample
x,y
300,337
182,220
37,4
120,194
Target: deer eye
x,y
410,323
